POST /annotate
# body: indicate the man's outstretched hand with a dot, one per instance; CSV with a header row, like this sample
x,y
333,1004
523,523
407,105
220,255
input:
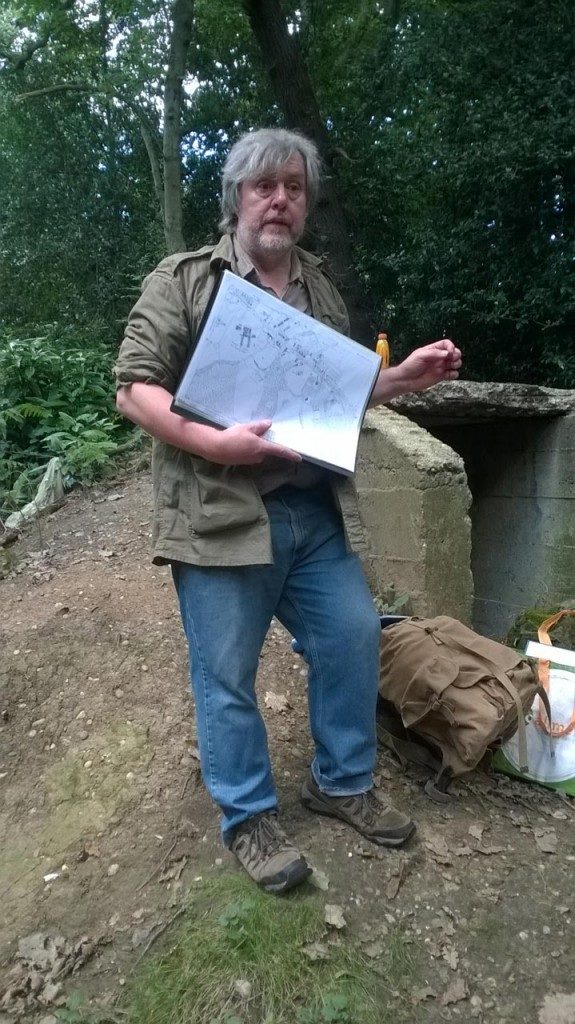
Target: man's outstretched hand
x,y
423,368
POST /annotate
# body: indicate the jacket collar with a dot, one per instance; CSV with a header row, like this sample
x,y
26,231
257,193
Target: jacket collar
x,y
223,254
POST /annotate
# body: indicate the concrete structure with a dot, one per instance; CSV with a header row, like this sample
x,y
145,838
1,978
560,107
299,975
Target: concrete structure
x,y
517,443
415,501
522,476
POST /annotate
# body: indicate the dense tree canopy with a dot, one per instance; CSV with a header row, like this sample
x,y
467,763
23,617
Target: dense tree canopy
x,y
446,128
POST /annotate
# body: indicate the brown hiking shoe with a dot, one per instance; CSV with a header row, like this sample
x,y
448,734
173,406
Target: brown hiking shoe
x,y
380,823
267,854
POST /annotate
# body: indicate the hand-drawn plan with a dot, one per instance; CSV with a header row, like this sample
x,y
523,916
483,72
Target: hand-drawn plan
x,y
258,358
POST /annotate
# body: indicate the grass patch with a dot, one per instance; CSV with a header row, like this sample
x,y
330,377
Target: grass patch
x,y
238,958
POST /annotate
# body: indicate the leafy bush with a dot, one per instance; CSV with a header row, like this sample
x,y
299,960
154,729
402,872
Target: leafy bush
x,y
56,398
463,187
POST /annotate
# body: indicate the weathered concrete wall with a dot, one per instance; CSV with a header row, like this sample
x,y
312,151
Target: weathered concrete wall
x,y
415,502
522,476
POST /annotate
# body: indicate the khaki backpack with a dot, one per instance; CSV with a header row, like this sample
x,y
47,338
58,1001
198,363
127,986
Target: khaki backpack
x,y
447,695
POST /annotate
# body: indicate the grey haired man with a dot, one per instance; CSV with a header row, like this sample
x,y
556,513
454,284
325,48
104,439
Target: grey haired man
x,y
252,531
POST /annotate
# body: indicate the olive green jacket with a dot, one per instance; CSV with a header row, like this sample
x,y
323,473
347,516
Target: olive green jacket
x,y
204,513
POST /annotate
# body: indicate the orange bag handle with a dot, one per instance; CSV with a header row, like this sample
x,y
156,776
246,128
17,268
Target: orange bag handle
x,y
543,633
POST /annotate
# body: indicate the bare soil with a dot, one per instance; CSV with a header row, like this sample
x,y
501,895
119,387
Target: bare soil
x,y
104,821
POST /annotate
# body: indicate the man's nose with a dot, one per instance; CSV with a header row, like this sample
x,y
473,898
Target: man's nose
x,y
280,195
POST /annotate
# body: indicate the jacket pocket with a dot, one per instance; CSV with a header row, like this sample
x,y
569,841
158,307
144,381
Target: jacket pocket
x,y
425,690
171,478
222,499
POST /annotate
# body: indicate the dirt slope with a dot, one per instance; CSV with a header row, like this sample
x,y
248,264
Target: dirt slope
x,y
100,788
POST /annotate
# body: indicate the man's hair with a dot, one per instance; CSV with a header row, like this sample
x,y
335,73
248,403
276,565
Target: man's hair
x,y
264,152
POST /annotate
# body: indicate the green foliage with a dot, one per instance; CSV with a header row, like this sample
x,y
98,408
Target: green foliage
x,y
84,444
527,624
76,198
465,185
453,151
56,398
333,1009
79,1011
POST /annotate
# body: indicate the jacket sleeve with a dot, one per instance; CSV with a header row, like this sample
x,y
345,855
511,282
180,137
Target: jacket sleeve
x,y
342,311
157,336
337,314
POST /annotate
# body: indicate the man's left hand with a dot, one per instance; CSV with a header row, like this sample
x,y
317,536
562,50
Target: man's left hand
x,y
423,368
430,365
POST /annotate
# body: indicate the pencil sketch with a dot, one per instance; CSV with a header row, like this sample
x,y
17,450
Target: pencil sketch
x,y
258,358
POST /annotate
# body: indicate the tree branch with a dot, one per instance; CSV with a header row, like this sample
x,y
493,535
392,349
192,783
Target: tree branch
x,y
147,130
20,59
394,12
62,87
153,151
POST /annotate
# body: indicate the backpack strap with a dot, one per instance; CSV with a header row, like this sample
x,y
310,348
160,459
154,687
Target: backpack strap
x,y
436,788
393,734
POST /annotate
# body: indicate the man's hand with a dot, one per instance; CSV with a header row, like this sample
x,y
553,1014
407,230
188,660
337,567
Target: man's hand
x,y
150,406
423,368
243,445
431,364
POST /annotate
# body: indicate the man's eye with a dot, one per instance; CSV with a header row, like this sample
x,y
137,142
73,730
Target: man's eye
x,y
265,187
293,189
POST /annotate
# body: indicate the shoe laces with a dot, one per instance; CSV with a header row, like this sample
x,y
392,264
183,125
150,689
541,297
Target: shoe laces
x,y
265,834
369,807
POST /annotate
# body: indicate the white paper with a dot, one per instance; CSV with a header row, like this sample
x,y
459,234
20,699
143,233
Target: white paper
x,y
258,358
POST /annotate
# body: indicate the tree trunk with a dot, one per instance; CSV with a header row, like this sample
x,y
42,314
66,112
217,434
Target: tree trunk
x,y
295,94
182,20
109,135
151,141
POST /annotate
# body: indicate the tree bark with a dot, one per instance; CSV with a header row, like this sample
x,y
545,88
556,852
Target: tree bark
x,y
152,144
182,21
295,94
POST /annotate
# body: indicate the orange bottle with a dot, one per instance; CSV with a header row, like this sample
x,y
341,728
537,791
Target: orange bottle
x,y
382,349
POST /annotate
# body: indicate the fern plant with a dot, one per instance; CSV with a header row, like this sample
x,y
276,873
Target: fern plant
x,y
56,398
85,444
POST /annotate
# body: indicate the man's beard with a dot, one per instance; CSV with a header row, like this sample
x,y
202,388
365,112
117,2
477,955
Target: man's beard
x,y
266,241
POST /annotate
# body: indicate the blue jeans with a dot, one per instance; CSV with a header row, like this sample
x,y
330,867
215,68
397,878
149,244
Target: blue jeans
x,y
317,589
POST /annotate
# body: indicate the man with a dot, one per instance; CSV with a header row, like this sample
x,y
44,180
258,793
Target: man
x,y
252,531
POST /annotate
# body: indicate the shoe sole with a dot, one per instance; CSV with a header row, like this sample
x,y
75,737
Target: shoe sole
x,y
297,876
313,804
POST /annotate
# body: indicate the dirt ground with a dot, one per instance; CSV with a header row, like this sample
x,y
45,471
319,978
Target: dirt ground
x,y
104,821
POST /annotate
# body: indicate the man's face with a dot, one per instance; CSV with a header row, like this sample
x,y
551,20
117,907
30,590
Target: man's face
x,y
272,210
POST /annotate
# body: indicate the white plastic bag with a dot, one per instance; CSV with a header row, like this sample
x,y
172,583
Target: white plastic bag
x,y
550,745
50,492
551,758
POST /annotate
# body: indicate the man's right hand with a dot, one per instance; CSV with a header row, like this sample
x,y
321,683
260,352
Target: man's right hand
x,y
243,445
149,405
